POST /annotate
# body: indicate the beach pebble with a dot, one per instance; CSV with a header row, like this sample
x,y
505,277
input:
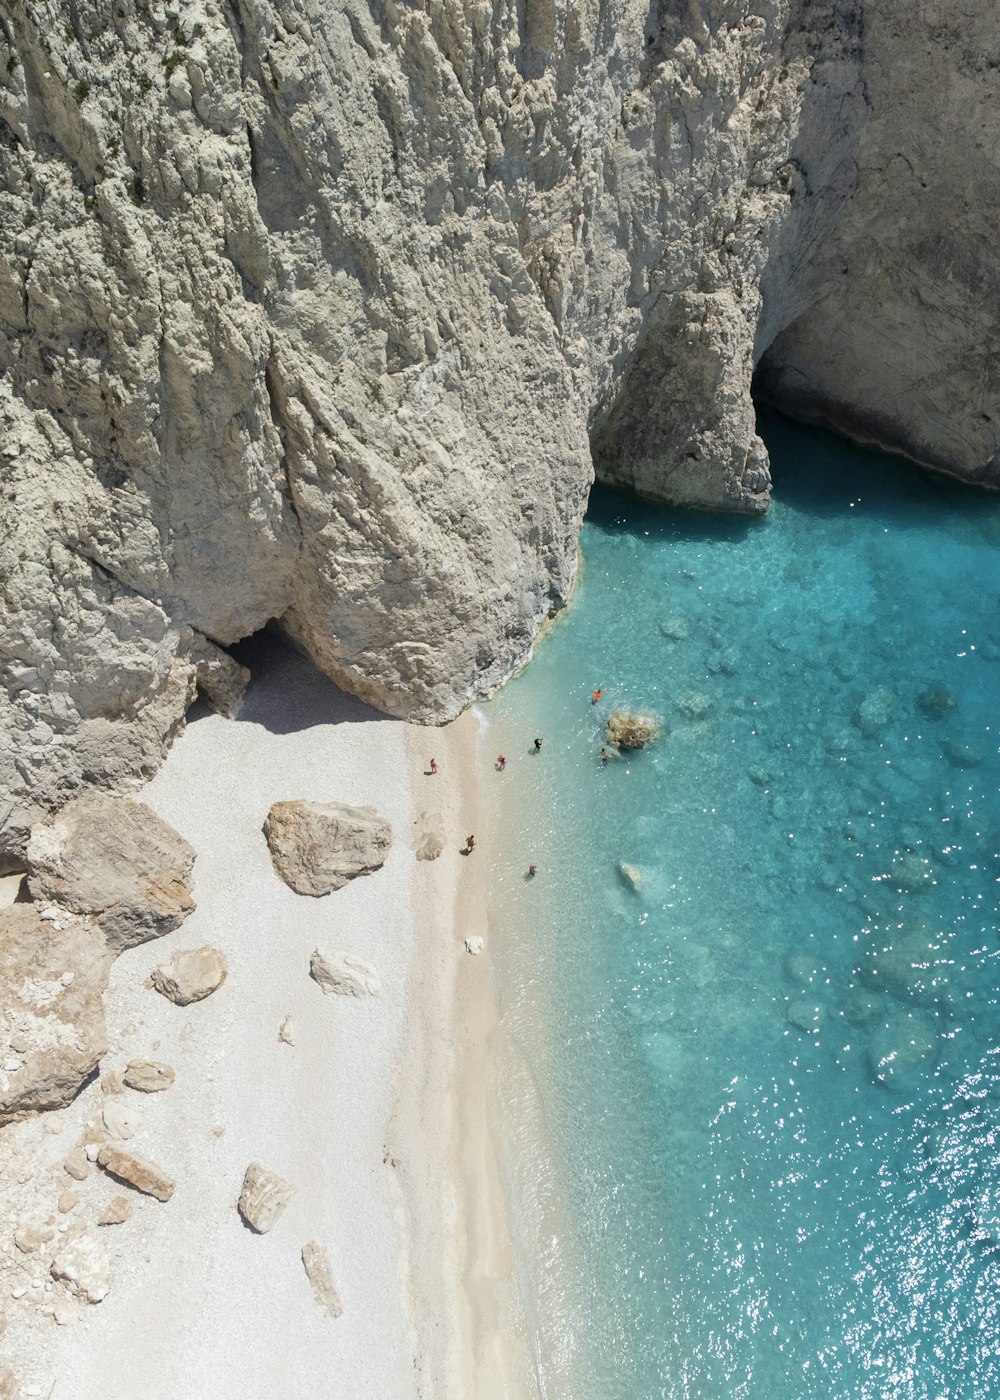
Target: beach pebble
x,y
286,1031
67,1200
116,1212
148,1076
475,944
191,974
121,1121
263,1197
77,1164
135,1171
316,1262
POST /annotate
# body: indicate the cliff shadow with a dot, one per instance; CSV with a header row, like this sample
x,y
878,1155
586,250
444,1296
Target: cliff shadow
x,y
616,511
286,691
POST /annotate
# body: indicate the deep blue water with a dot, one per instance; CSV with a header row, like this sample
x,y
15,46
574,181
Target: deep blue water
x,y
753,1107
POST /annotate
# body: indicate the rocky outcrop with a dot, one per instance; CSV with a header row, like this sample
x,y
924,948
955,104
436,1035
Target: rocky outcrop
x,y
263,1197
344,975
116,861
317,847
326,312
53,971
190,974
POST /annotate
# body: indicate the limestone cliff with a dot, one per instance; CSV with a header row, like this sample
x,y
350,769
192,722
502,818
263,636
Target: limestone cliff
x,y
324,311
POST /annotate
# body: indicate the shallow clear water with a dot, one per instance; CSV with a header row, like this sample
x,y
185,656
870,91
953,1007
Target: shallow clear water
x,y
753,1107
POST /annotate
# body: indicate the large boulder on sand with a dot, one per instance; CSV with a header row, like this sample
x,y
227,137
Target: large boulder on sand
x,y
52,974
344,975
317,847
118,862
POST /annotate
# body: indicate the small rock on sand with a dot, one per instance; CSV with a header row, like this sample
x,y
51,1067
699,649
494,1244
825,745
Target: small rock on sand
x,y
83,1265
66,1202
475,944
286,1031
136,1172
191,974
316,1262
121,1121
263,1197
317,847
344,975
77,1165
148,1076
116,1212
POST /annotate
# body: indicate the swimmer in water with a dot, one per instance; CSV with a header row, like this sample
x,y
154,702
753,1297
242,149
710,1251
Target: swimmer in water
x,y
597,696
538,746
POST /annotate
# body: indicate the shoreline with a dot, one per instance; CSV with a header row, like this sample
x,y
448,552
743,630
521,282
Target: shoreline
x,y
383,1113
460,1251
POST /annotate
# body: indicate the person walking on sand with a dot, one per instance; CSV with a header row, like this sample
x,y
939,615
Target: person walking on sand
x,y
470,843
538,746
532,871
433,766
501,762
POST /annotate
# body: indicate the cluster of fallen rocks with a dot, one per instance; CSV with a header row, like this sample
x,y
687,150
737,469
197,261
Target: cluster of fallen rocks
x,y
104,875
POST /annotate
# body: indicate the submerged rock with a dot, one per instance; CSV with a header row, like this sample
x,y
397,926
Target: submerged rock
x,y
116,861
52,975
936,701
900,1050
674,628
875,712
631,875
805,1016
961,751
632,730
317,847
694,705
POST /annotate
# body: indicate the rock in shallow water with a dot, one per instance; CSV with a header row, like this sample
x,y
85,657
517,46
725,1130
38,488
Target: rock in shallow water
x,y
317,847
632,730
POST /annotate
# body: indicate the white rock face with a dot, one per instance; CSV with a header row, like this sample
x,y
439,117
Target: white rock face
x,y
322,311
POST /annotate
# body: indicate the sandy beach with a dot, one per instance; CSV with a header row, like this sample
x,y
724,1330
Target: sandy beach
x,y
381,1113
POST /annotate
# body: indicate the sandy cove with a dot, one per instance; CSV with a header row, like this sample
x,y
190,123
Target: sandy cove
x,y
381,1114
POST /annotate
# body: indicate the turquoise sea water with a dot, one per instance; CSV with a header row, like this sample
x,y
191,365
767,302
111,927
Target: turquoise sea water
x,y
752,1108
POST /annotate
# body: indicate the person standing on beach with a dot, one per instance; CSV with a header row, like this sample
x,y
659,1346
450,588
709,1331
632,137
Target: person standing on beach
x,y
433,766
501,762
532,871
470,843
538,746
